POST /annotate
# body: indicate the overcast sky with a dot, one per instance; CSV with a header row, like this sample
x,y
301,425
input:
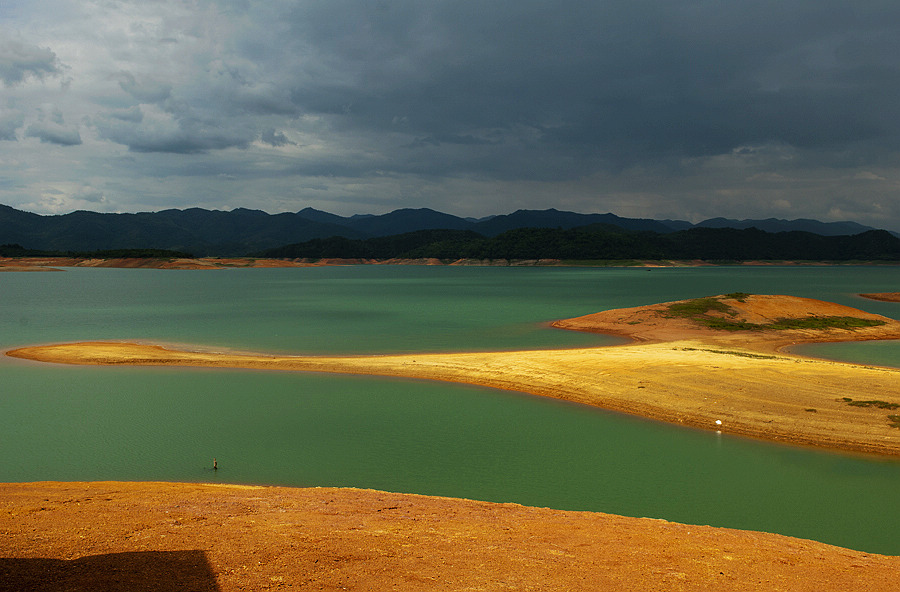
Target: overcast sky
x,y
685,109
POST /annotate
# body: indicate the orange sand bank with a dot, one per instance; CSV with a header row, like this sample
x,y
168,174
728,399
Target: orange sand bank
x,y
883,296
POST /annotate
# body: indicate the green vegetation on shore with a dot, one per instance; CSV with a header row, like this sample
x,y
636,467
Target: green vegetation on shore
x,y
709,313
726,352
893,419
602,242
14,250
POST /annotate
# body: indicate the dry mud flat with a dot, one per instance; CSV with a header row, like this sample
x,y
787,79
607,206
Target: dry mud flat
x,y
684,368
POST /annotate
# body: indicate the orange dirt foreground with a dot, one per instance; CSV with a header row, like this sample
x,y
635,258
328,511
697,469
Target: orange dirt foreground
x,y
204,538
157,536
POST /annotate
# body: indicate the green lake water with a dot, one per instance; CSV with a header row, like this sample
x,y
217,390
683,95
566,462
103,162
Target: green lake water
x,y
99,423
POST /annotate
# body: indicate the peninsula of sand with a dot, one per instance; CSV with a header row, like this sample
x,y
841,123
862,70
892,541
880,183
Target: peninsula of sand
x,y
717,363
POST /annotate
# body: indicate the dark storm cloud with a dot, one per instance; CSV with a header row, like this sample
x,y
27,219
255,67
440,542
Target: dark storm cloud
x,y
614,80
580,84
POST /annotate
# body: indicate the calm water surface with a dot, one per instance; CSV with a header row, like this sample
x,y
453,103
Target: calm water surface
x,y
83,423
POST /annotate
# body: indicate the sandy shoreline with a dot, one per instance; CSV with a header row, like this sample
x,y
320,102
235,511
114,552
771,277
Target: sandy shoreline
x,y
736,382
883,296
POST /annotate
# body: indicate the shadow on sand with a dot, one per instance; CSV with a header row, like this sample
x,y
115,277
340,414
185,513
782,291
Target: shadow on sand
x,y
157,571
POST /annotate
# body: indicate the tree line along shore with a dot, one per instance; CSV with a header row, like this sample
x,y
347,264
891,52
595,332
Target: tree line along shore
x,y
593,243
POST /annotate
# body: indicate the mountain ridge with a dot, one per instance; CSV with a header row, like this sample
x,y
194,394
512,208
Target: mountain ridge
x,y
241,231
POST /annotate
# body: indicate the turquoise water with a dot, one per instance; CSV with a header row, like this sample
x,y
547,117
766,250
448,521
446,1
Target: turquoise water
x,y
86,423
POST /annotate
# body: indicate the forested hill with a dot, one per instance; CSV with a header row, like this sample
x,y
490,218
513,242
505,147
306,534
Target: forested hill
x,y
242,231
604,242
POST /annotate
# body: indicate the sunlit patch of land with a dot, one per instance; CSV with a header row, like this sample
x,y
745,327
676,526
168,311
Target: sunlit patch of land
x,y
717,363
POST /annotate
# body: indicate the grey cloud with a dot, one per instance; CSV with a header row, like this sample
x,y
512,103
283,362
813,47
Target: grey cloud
x,y
176,135
132,114
244,89
89,194
10,121
146,91
53,133
52,129
8,183
275,138
438,139
263,98
19,60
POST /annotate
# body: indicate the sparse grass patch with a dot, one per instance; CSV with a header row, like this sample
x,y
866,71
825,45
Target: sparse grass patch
x,y
692,309
893,420
732,353
815,322
699,309
874,403
726,325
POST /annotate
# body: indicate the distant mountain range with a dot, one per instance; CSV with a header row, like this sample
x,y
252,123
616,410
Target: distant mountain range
x,y
243,231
